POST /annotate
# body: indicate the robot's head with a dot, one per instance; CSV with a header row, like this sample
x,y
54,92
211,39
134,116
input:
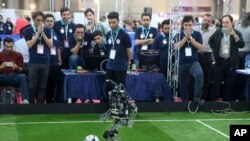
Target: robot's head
x,y
91,138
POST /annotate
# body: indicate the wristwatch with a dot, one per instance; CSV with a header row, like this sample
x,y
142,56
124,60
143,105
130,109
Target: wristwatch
x,y
191,38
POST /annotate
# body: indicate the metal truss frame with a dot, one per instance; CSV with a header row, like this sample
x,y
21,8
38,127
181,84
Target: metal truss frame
x,y
173,53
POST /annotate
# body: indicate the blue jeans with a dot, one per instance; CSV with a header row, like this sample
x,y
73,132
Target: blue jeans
x,y
74,61
16,80
195,70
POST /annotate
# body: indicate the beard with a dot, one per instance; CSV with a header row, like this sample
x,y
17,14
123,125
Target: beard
x,y
205,26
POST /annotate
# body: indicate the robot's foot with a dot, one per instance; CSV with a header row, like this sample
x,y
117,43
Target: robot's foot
x,y
111,136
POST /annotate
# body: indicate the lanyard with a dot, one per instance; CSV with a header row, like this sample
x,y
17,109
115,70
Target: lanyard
x,y
146,35
52,37
66,30
82,44
188,41
114,39
226,37
40,37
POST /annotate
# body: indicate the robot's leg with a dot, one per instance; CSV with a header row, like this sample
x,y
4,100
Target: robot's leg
x,y
112,133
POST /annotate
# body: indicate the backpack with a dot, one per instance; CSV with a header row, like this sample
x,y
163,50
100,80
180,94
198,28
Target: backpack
x,y
8,95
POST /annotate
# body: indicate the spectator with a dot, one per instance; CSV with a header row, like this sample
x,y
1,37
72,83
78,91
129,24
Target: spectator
x,y
20,23
161,43
144,37
120,55
55,61
64,30
191,42
11,64
244,28
206,53
225,44
100,48
1,25
39,42
8,26
196,21
241,81
82,47
92,25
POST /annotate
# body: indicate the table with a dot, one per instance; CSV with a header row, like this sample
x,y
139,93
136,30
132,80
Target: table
x,y
141,87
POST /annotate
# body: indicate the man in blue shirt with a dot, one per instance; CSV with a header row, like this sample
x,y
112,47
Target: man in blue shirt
x,y
120,54
161,43
100,48
144,37
39,42
190,43
55,60
81,47
64,30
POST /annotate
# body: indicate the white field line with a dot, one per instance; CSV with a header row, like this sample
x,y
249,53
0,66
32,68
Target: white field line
x,y
96,121
212,128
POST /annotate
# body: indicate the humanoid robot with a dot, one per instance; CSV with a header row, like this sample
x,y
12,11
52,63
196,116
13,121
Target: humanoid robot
x,y
122,109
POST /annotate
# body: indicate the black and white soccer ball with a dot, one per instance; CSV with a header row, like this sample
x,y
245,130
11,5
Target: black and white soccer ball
x,y
91,138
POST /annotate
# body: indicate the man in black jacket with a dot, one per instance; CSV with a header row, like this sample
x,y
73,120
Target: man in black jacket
x,y
225,43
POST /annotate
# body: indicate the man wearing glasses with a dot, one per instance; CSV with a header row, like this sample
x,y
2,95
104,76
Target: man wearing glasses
x,y
81,47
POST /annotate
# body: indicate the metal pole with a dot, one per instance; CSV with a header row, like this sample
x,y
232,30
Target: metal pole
x,y
51,5
173,53
229,7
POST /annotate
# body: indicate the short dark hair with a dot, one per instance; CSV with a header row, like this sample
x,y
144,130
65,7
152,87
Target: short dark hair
x,y
79,26
48,15
97,33
64,9
167,22
208,15
229,16
187,18
246,20
89,10
146,14
28,18
113,15
37,13
196,19
8,40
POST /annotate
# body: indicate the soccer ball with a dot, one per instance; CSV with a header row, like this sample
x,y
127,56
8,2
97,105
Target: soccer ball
x,y
91,138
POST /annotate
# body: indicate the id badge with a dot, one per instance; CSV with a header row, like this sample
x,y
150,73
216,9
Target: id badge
x,y
66,43
112,54
188,51
9,27
144,47
53,51
102,53
40,49
225,49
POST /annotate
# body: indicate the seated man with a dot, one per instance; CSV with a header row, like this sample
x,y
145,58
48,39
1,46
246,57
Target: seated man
x,y
82,47
11,63
100,48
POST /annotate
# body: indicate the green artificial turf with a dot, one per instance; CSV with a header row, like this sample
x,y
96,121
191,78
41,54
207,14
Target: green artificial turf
x,y
173,126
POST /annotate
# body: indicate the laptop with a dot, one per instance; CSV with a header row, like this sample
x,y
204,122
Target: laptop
x,y
94,63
